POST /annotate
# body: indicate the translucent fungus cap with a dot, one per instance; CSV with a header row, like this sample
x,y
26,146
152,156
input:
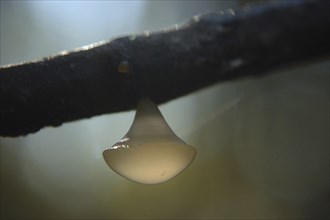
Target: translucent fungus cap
x,y
150,152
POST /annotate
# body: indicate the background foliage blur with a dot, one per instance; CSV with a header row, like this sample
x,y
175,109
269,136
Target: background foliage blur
x,y
263,143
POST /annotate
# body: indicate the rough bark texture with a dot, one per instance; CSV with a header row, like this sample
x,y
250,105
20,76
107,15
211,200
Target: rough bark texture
x,y
111,76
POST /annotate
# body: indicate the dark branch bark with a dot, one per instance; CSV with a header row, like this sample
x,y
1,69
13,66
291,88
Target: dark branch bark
x,y
112,76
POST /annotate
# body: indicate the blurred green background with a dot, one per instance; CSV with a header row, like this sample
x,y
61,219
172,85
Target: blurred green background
x,y
263,143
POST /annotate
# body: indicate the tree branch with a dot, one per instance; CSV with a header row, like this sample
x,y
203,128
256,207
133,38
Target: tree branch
x,y
111,76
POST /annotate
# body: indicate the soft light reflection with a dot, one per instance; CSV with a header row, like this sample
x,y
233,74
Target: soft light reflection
x,y
121,143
